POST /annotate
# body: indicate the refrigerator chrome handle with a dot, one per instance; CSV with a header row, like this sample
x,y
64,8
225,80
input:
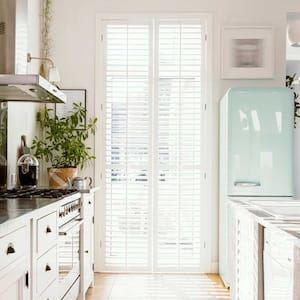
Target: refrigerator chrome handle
x,y
247,183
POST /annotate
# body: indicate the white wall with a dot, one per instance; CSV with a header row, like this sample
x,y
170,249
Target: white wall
x,y
21,116
74,50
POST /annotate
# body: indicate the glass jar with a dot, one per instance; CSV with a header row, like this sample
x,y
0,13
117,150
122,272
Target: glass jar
x,y
28,169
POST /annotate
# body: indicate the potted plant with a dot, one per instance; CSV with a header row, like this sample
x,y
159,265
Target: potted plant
x,y
63,144
290,82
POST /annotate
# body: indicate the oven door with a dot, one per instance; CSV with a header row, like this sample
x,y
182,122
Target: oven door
x,y
69,255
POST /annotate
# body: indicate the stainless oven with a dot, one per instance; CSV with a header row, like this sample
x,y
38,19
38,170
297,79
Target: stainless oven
x,y
69,250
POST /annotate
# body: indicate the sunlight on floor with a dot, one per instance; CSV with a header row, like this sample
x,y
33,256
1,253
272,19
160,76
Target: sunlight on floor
x,y
156,287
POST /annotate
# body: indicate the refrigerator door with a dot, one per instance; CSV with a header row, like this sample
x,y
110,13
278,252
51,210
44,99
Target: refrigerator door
x,y
260,126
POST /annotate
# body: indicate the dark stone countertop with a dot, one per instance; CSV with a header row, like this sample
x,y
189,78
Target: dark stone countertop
x,y
14,208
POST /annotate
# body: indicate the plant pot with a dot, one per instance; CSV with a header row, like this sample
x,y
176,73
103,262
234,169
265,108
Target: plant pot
x,y
59,177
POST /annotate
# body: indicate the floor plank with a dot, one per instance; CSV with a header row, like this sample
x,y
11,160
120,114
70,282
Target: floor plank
x,y
157,287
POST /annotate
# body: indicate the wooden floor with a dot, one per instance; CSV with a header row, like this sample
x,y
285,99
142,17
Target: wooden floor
x,y
157,287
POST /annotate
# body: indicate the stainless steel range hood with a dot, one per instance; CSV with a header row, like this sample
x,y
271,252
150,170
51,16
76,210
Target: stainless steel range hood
x,y
15,83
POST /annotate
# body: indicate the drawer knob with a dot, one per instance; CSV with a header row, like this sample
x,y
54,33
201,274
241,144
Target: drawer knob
x,y
10,249
47,269
90,202
86,251
48,229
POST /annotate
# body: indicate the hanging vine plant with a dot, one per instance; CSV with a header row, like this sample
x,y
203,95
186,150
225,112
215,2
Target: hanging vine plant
x,y
289,82
45,34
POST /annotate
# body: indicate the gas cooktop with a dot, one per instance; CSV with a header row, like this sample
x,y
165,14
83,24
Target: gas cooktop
x,y
36,193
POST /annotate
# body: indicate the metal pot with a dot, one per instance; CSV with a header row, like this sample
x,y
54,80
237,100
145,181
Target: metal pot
x,y
80,183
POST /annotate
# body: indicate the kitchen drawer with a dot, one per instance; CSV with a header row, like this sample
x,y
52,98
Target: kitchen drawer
x,y
46,232
51,292
279,246
88,205
12,246
46,270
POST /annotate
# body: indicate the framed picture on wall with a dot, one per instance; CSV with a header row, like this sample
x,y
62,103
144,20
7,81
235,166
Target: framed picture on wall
x,y
247,52
73,96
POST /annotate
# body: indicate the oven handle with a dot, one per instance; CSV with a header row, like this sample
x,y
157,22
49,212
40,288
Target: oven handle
x,y
69,228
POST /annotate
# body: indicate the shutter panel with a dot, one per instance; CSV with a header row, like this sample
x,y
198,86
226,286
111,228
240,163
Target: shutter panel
x,y
179,127
127,197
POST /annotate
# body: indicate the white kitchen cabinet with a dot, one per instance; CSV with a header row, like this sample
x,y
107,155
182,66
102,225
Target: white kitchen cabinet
x,y
87,264
281,263
44,255
15,263
245,238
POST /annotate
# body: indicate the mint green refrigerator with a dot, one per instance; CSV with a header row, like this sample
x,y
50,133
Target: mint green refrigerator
x,y
256,151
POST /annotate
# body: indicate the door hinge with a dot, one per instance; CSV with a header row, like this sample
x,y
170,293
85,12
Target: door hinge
x,y
101,37
205,37
100,244
205,106
93,220
204,244
101,107
204,175
27,279
93,267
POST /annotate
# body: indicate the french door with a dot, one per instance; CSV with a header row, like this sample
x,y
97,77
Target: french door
x,y
152,171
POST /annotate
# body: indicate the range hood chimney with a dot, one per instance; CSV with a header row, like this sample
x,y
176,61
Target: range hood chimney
x,y
15,83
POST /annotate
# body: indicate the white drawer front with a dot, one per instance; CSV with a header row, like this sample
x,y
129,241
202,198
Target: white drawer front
x,y
46,270
88,203
12,246
50,293
46,232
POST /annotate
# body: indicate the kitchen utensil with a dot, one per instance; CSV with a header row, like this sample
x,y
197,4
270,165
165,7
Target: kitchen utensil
x,y
25,149
80,183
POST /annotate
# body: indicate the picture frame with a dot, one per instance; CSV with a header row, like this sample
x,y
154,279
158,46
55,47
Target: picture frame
x,y
247,52
73,96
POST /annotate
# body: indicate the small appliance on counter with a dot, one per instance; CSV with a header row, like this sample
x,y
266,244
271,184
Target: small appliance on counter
x,y
28,170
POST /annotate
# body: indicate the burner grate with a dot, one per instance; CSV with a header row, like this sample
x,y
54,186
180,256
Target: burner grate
x,y
36,193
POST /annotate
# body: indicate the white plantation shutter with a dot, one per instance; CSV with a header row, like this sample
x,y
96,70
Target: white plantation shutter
x,y
127,199
178,196
153,166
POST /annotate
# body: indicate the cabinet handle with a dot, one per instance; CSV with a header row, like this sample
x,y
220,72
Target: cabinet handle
x,y
47,269
27,279
90,202
289,259
48,229
86,251
10,249
247,183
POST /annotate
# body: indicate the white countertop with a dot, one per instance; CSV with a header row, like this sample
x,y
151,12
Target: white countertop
x,y
281,214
